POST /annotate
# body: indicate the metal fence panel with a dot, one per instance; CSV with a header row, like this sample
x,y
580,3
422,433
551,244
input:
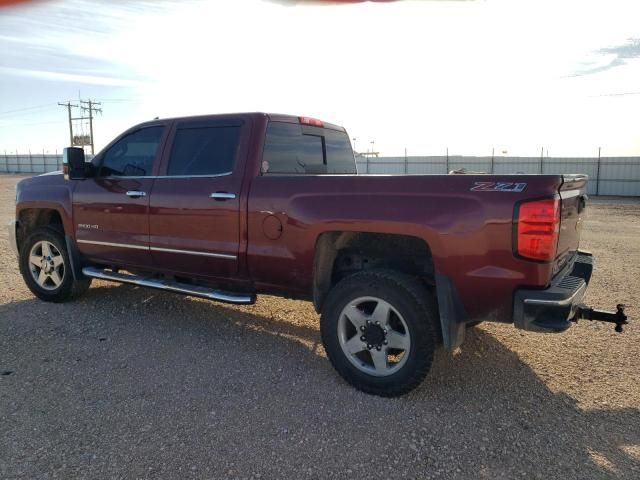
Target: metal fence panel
x,y
607,176
426,165
619,176
32,163
516,165
473,164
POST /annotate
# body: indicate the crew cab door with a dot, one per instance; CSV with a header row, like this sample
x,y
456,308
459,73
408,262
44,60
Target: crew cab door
x,y
195,202
111,208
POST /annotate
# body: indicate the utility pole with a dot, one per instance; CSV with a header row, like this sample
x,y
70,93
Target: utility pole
x,y
91,108
69,105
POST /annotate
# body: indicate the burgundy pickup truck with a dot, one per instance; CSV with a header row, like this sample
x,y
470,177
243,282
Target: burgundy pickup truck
x,y
228,206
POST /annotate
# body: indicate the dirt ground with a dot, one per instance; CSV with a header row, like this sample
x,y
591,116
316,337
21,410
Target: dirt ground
x,y
132,383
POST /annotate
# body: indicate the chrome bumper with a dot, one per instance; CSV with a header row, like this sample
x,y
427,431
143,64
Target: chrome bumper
x,y
13,242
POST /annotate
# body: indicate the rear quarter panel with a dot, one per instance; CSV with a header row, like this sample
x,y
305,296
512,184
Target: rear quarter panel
x,y
469,232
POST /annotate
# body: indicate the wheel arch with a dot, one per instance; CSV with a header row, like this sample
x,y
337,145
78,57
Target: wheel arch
x,y
340,253
371,250
31,218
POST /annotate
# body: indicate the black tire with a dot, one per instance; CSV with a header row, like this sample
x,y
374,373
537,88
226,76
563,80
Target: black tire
x,y
412,301
69,288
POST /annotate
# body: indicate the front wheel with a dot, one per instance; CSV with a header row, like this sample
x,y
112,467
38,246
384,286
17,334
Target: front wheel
x,y
379,331
46,268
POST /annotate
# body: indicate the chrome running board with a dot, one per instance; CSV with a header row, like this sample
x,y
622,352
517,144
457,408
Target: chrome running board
x,y
177,287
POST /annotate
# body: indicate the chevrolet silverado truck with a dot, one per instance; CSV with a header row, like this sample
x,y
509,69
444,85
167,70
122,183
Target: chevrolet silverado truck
x,y
226,207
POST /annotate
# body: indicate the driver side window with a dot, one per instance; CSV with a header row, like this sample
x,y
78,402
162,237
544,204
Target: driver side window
x,y
133,155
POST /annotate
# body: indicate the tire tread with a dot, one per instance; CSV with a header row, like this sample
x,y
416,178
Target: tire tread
x,y
426,331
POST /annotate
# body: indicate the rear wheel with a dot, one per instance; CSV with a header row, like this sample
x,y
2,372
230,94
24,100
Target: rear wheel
x,y
46,268
379,331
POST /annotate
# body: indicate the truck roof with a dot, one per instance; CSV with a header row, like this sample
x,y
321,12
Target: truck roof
x,y
276,117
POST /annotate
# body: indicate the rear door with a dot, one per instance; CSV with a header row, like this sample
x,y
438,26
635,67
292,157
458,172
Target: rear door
x,y
111,209
195,202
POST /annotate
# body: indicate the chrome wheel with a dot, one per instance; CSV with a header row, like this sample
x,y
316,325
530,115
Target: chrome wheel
x,y
374,336
46,265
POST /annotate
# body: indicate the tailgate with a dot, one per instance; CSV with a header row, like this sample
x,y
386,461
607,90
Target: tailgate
x,y
573,196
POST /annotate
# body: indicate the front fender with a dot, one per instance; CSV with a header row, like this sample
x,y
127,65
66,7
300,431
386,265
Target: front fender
x,y
47,192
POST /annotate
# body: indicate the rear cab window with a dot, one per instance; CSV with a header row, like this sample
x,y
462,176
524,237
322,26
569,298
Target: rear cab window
x,y
295,149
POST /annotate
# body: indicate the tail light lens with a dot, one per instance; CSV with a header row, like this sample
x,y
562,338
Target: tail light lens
x,y
538,227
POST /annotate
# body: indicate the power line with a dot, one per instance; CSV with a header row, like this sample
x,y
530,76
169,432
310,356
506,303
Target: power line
x,y
618,94
109,100
36,107
28,124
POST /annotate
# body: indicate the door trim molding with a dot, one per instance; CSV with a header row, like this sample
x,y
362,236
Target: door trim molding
x,y
192,252
110,244
159,249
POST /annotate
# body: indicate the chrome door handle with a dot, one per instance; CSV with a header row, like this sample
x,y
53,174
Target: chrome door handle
x,y
135,194
222,196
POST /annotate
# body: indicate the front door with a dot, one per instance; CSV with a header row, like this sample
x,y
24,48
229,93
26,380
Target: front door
x,y
111,209
194,216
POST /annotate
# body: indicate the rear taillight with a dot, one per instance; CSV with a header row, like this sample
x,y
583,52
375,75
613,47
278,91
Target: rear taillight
x,y
537,228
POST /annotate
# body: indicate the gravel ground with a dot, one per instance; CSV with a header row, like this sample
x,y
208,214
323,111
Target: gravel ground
x,y
132,383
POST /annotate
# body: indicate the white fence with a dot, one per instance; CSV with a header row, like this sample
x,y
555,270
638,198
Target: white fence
x,y
607,175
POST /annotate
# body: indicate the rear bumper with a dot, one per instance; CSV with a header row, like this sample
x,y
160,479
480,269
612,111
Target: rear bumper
x,y
552,309
13,241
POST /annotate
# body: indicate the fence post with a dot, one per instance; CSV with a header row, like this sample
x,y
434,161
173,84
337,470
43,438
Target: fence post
x,y
541,155
446,165
598,174
30,162
406,162
493,151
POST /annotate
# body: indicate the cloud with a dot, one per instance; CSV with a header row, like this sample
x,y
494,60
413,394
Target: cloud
x,y
631,49
70,77
611,57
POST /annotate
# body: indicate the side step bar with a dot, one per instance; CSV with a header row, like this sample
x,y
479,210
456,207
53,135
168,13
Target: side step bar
x,y
177,287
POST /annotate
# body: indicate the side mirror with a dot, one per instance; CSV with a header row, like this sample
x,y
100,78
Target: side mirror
x,y
73,164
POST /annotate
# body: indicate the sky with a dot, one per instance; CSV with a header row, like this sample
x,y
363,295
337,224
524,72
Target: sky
x,y
472,77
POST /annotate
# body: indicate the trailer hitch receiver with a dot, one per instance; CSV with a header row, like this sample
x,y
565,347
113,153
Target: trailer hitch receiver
x,y
618,317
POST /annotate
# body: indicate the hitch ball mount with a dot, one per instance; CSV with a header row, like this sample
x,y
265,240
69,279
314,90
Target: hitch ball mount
x,y
618,317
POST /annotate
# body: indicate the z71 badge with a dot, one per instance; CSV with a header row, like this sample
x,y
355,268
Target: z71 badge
x,y
498,187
